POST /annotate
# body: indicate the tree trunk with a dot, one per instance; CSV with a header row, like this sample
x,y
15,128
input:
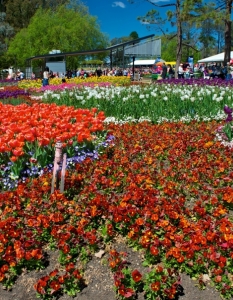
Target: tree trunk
x,y
227,55
179,38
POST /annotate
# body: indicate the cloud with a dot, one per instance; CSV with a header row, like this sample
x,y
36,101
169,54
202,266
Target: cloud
x,y
118,3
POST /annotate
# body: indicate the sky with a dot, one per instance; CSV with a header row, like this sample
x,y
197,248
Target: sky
x,y
119,18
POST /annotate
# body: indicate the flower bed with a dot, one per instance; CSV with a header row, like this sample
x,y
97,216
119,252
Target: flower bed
x,y
165,188
156,102
167,100
29,133
115,80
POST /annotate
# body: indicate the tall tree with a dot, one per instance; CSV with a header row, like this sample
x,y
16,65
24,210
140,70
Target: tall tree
x,y
19,12
182,11
63,29
207,36
6,32
226,5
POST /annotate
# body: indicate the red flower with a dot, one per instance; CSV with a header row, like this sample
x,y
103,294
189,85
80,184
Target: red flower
x,y
126,292
137,276
53,273
154,250
77,274
70,267
55,285
155,286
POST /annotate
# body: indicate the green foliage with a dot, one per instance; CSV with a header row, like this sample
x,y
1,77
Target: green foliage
x,y
19,12
134,35
64,29
92,62
180,13
168,48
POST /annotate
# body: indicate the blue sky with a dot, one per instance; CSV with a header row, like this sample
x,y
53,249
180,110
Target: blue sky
x,y
119,18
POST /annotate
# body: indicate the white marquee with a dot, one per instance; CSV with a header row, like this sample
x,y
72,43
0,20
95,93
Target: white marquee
x,y
215,58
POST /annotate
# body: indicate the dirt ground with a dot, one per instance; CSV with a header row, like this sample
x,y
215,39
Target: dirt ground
x,y
99,280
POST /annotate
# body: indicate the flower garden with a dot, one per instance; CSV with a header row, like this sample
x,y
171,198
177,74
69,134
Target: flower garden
x,y
148,163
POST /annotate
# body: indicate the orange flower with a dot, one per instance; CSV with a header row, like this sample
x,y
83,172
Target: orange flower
x,y
13,158
218,279
139,221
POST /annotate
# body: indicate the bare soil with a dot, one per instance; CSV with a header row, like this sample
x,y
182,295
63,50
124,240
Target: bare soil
x,y
99,280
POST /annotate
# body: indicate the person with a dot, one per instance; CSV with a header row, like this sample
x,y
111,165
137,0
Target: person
x,y
46,76
181,71
171,72
33,76
99,72
10,72
196,69
18,74
206,73
187,73
164,71
51,75
78,73
228,71
21,75
231,67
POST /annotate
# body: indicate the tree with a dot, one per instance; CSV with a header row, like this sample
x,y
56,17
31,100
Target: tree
x,y
207,36
168,47
6,32
226,5
19,12
63,29
134,35
183,11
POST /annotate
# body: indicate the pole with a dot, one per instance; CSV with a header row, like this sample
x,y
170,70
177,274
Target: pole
x,y
57,160
133,66
63,171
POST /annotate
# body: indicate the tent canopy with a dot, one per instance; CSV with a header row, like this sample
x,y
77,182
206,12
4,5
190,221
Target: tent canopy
x,y
215,58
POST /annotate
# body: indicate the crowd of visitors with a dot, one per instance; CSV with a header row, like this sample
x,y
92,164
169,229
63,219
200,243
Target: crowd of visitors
x,y
82,73
15,74
207,71
166,71
218,70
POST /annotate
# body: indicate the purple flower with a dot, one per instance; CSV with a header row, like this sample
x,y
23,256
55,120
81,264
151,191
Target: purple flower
x,y
229,118
227,110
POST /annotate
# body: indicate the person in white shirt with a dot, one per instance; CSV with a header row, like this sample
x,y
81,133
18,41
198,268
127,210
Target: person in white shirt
x,y
10,72
46,76
181,71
